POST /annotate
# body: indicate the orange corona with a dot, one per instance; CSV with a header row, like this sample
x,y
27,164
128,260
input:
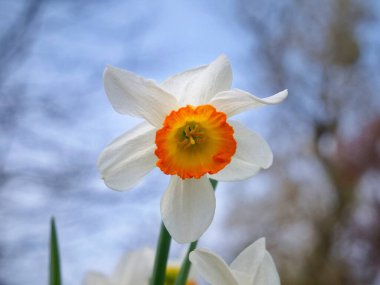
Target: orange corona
x,y
194,141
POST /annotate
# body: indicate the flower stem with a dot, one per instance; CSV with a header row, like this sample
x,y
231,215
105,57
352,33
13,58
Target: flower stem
x,y
185,267
162,253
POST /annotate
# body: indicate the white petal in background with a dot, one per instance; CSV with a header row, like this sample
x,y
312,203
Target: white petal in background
x,y
212,268
215,78
267,273
135,267
95,278
135,96
187,208
235,101
252,154
251,258
128,158
253,266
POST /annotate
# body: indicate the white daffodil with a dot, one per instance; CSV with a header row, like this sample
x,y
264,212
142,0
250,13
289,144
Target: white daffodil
x,y
188,135
136,268
253,266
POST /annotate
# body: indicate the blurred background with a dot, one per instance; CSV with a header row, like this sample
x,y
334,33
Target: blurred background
x,y
318,205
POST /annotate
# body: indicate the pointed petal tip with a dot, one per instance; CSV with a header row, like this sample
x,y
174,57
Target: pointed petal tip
x,y
285,93
259,243
109,68
262,241
111,71
280,96
277,98
223,56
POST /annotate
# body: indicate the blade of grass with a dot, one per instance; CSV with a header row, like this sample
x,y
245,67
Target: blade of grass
x,y
55,270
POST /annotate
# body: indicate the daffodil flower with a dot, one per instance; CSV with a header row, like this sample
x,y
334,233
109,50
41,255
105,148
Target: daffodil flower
x,y
253,266
188,135
135,268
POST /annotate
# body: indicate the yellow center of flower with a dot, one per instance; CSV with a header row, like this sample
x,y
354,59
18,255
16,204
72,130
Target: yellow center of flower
x,y
171,275
194,141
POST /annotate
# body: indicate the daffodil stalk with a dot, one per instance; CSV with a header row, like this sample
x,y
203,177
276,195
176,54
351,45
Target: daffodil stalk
x,y
185,267
162,253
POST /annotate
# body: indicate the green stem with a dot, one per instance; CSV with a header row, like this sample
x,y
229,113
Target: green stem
x,y
185,267
162,253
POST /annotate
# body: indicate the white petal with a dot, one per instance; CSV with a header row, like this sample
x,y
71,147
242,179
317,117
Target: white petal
x,y
133,95
250,259
128,158
215,78
187,208
95,278
242,277
236,170
135,267
177,84
212,268
267,273
252,154
235,101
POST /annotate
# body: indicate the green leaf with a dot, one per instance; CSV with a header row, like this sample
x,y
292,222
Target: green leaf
x,y
55,271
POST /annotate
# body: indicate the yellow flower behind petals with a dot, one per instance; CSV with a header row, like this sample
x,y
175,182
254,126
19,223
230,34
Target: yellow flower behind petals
x,y
194,141
171,275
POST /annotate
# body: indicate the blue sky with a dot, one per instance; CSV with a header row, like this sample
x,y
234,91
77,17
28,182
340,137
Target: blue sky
x,y
67,119
71,47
